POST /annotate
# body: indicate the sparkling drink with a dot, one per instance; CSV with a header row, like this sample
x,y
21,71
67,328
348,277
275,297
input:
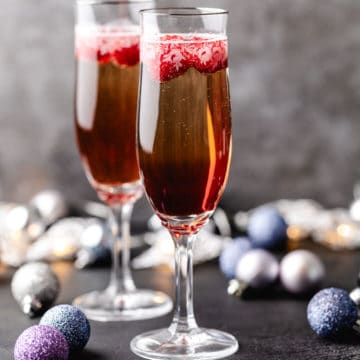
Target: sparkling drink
x,y
105,109
184,146
185,135
107,36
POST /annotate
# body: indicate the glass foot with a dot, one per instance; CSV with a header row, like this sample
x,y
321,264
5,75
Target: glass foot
x,y
196,344
133,305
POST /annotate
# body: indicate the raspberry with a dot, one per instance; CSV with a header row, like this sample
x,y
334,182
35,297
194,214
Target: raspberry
x,y
126,56
102,58
105,44
171,55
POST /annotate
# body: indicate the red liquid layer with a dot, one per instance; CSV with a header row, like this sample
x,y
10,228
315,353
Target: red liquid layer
x,y
184,134
105,109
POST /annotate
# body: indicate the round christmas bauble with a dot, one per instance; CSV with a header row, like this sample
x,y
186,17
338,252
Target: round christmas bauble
x,y
35,287
50,205
41,342
267,228
71,322
231,254
355,296
257,268
301,271
331,311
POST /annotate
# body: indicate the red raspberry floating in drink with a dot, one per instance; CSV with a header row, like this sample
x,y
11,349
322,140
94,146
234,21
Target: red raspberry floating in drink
x,y
108,44
169,56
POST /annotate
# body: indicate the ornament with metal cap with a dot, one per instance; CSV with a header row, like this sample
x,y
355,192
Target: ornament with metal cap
x,y
50,205
257,269
35,287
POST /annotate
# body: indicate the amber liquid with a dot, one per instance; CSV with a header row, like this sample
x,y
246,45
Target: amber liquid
x,y
105,121
184,139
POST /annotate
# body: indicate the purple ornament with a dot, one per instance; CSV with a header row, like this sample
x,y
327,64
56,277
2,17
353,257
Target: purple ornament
x,y
41,342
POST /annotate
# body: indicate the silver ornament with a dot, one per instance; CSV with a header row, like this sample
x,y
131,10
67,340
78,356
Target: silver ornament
x,y
301,271
19,227
50,205
91,256
95,234
355,296
355,210
35,287
258,268
222,222
61,241
95,246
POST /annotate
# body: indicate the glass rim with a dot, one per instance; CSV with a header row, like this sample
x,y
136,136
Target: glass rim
x,y
111,2
176,11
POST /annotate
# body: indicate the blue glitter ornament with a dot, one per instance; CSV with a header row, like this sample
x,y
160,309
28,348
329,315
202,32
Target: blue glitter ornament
x,y
231,254
331,311
71,322
41,342
267,228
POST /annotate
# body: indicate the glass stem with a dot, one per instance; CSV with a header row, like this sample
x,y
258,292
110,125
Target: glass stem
x,y
184,319
119,219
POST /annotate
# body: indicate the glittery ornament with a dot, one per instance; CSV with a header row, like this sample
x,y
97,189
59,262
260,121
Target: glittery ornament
x,y
331,311
301,271
231,254
35,287
71,322
267,228
41,342
257,268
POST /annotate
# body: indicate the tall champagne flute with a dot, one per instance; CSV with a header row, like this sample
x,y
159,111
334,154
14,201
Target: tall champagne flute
x,y
107,70
184,147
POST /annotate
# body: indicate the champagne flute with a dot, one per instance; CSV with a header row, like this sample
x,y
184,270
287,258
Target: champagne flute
x,y
107,71
184,147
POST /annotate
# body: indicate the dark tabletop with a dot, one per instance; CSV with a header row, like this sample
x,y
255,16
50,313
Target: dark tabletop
x,y
273,327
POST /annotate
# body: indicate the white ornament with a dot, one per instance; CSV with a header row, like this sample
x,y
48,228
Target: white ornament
x,y
258,268
301,271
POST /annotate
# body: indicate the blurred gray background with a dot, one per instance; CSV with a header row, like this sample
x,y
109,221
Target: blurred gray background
x,y
295,81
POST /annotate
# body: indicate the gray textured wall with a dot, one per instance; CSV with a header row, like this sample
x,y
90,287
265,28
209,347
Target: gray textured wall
x,y
295,77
